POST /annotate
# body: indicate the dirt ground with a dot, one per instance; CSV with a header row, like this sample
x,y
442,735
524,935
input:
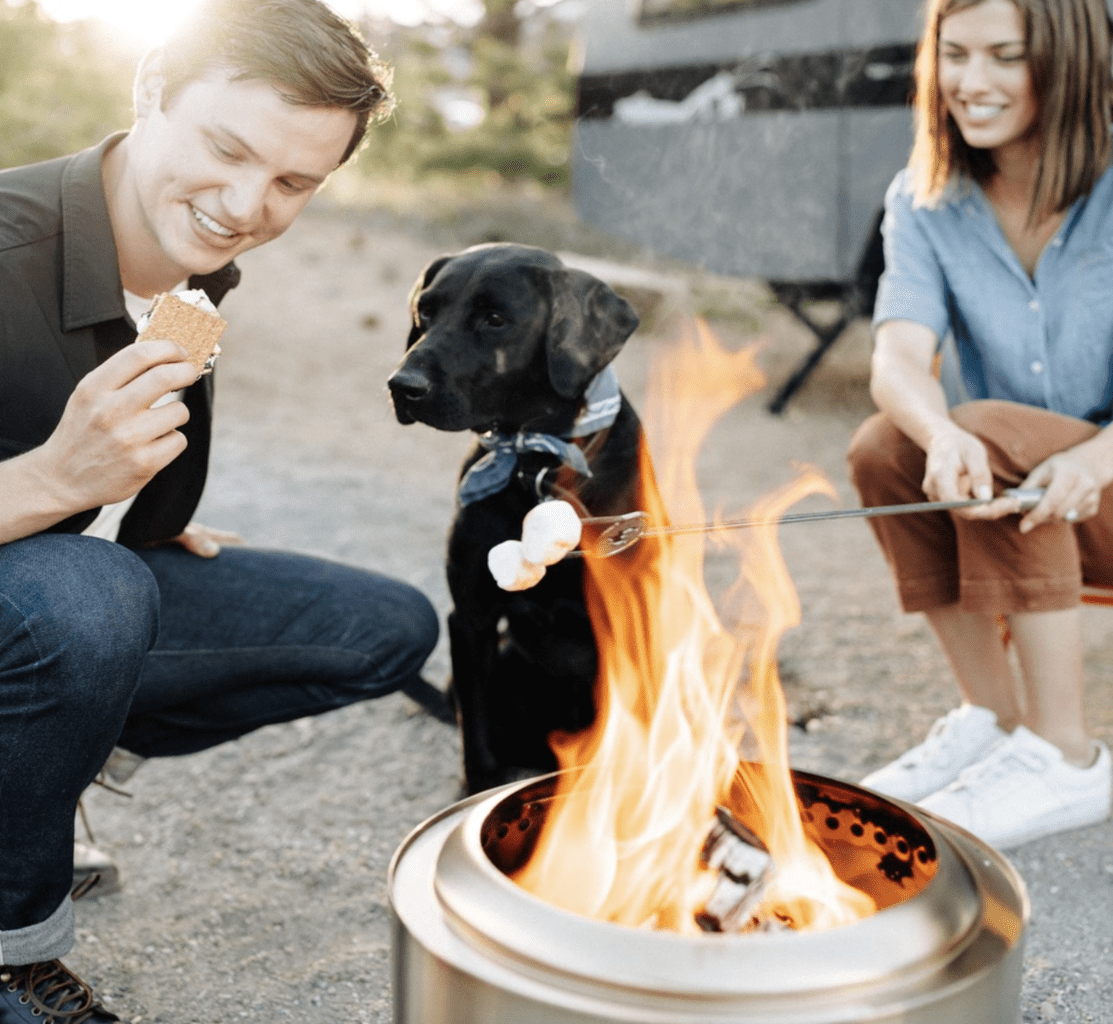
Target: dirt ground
x,y
254,874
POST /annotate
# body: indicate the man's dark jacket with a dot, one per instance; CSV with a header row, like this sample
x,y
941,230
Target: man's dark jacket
x,y
62,313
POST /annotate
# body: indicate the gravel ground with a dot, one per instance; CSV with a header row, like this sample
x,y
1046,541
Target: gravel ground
x,y
254,874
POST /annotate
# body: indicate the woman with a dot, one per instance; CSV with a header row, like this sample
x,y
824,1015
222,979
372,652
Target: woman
x,y
1000,233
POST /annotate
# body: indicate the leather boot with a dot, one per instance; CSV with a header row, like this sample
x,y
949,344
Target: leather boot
x,y
48,993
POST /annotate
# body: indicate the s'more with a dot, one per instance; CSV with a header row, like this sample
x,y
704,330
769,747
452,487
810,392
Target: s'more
x,y
190,319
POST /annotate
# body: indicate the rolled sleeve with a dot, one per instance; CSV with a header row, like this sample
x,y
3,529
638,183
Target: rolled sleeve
x,y
1040,336
913,286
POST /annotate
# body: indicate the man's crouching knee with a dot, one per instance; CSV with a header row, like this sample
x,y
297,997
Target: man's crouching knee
x,y
80,611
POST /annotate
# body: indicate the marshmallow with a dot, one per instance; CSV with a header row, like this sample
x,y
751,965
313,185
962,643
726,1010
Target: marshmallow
x,y
510,568
192,296
549,531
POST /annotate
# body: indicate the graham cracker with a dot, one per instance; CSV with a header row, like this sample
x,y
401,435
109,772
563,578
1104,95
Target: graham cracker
x,y
196,330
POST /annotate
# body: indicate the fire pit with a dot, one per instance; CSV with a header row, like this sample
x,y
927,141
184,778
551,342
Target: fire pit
x,y
944,947
580,897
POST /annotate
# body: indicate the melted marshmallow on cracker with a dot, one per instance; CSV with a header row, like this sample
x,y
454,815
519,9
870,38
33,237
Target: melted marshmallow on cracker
x,y
175,319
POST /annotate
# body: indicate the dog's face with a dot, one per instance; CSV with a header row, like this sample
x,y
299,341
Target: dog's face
x,y
505,336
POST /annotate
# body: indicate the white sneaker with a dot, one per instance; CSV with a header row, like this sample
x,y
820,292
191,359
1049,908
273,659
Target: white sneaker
x,y
960,738
1023,790
89,861
121,765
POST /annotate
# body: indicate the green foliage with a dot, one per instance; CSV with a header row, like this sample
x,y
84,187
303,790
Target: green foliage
x,y
66,86
519,73
62,87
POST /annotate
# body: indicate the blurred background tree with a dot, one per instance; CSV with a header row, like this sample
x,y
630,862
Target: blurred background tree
x,y
492,101
494,98
62,86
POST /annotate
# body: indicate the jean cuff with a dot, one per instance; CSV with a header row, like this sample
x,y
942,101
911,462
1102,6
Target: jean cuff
x,y
37,943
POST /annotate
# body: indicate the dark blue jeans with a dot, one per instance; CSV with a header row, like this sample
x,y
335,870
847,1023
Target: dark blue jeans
x,y
163,653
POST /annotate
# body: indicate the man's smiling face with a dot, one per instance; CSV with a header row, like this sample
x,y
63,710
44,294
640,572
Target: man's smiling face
x,y
223,167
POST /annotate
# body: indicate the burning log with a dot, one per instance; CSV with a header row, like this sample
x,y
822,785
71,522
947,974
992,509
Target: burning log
x,y
745,870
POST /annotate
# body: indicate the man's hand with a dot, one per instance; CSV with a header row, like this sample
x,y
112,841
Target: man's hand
x,y
205,541
110,441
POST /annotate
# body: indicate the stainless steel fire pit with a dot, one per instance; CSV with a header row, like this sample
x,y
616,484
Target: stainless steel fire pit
x,y
471,946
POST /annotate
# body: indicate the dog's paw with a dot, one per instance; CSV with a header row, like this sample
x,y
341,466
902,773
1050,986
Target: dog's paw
x,y
511,569
549,531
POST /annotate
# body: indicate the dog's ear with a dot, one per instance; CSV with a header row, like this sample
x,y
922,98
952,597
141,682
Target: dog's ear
x,y
588,325
424,279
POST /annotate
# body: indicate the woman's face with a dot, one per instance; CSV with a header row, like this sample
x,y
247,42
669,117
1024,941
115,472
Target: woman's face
x,y
984,77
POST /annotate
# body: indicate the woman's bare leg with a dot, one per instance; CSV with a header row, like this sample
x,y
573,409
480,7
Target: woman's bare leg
x,y
1049,646
1049,649
973,646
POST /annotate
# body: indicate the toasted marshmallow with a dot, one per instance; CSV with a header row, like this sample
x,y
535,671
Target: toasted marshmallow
x,y
549,531
510,568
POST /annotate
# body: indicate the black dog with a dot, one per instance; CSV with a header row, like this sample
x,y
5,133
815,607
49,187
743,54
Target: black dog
x,y
505,341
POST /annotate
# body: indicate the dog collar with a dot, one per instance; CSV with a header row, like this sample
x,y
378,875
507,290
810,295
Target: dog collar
x,y
490,474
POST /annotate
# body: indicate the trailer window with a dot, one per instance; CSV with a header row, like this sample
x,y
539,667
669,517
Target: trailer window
x,y
669,10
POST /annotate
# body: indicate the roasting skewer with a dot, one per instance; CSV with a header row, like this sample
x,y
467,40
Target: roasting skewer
x,y
622,532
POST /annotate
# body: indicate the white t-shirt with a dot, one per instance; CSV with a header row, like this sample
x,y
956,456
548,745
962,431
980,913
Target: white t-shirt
x,y
107,524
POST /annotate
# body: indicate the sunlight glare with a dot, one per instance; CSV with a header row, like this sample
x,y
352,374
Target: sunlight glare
x,y
141,20
411,12
149,23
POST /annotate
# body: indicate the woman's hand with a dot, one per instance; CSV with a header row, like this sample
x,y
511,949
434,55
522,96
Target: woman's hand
x,y
904,387
1072,489
957,466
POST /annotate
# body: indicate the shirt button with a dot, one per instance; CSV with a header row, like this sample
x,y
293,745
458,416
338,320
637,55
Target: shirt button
x,y
1037,366
1034,305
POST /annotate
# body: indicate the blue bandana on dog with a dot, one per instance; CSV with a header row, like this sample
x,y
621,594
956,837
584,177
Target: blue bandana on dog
x,y
493,472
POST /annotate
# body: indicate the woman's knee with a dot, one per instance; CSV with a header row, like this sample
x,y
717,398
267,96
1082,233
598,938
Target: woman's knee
x,y
873,449
1018,437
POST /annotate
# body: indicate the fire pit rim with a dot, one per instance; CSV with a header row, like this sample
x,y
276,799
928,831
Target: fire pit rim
x,y
481,904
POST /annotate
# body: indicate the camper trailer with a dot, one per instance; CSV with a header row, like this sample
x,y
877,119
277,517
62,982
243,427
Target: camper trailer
x,y
748,137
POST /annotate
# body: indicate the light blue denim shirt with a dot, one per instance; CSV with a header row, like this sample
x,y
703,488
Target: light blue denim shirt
x,y
1045,341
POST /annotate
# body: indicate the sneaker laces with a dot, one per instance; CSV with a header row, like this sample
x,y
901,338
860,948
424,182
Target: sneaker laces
x,y
53,990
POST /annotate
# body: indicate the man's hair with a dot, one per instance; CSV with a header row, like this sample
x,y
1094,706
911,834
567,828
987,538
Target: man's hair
x,y
313,56
1067,45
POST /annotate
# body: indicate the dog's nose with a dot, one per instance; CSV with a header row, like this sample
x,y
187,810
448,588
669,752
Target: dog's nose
x,y
411,385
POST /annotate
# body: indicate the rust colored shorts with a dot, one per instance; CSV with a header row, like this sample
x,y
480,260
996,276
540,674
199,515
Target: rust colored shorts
x,y
985,566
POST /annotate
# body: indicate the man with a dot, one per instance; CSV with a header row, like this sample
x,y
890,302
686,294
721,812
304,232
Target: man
x,y
121,622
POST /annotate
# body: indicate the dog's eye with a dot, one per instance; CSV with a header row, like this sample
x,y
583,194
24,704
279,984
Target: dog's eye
x,y
494,319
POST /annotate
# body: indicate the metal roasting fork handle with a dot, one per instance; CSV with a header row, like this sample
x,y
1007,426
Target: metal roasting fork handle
x,y
625,531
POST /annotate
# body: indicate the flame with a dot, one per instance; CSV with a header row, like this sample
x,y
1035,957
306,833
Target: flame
x,y
680,696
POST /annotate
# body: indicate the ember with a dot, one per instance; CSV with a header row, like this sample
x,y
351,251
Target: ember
x,y
679,696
